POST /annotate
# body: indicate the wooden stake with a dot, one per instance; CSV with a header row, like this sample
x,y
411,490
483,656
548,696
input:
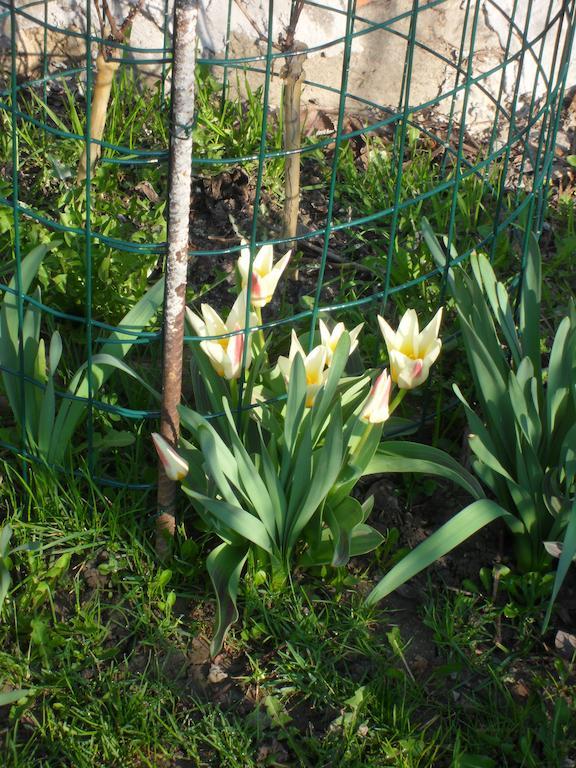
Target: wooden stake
x,y
293,75
182,118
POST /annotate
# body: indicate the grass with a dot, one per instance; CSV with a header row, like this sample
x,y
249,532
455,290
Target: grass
x,y
111,647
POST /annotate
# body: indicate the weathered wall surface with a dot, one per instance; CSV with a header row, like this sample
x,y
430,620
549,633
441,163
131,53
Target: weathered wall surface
x,y
378,54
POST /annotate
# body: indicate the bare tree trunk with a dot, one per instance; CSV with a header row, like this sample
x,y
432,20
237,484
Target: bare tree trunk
x,y
185,19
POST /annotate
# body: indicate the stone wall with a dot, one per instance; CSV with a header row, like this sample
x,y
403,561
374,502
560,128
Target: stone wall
x,y
378,53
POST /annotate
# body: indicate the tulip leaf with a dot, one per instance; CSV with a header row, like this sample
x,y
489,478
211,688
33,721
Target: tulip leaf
x,y
327,463
342,520
529,325
237,519
463,525
253,485
117,346
395,456
326,395
560,367
363,539
9,328
295,404
224,566
566,557
220,463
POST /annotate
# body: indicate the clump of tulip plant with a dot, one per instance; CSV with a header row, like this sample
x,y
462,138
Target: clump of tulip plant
x,y
275,483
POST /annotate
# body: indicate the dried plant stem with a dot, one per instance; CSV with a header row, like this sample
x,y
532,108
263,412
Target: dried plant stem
x,y
182,118
105,72
293,75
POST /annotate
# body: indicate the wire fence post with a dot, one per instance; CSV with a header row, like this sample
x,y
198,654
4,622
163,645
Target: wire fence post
x,y
182,117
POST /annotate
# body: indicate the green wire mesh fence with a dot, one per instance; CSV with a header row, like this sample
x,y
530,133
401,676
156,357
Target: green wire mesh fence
x,y
395,126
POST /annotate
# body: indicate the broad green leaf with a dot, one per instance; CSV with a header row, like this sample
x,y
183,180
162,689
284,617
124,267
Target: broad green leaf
x,y
235,518
5,536
325,397
55,352
364,539
463,525
396,456
559,373
46,420
295,404
500,305
486,456
11,697
9,328
220,463
224,566
342,520
275,489
300,477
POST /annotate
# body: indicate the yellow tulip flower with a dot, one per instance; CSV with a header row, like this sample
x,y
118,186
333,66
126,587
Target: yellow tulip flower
x,y
314,365
225,354
265,274
411,353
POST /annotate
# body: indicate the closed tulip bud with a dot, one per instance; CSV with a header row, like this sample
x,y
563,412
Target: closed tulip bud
x,y
376,410
175,467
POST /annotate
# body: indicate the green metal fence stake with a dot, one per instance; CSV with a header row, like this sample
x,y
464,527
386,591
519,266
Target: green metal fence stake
x,y
182,117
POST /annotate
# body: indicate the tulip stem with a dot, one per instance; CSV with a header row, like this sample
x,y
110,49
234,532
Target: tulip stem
x,y
260,334
234,393
397,400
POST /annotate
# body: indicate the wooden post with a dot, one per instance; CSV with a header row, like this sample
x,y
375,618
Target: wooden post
x,y
293,74
182,117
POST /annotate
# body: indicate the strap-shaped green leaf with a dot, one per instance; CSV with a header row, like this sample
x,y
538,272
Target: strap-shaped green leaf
x,y
117,346
560,367
224,566
253,485
237,519
275,490
327,463
295,404
529,323
325,397
9,325
405,456
463,525
566,557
